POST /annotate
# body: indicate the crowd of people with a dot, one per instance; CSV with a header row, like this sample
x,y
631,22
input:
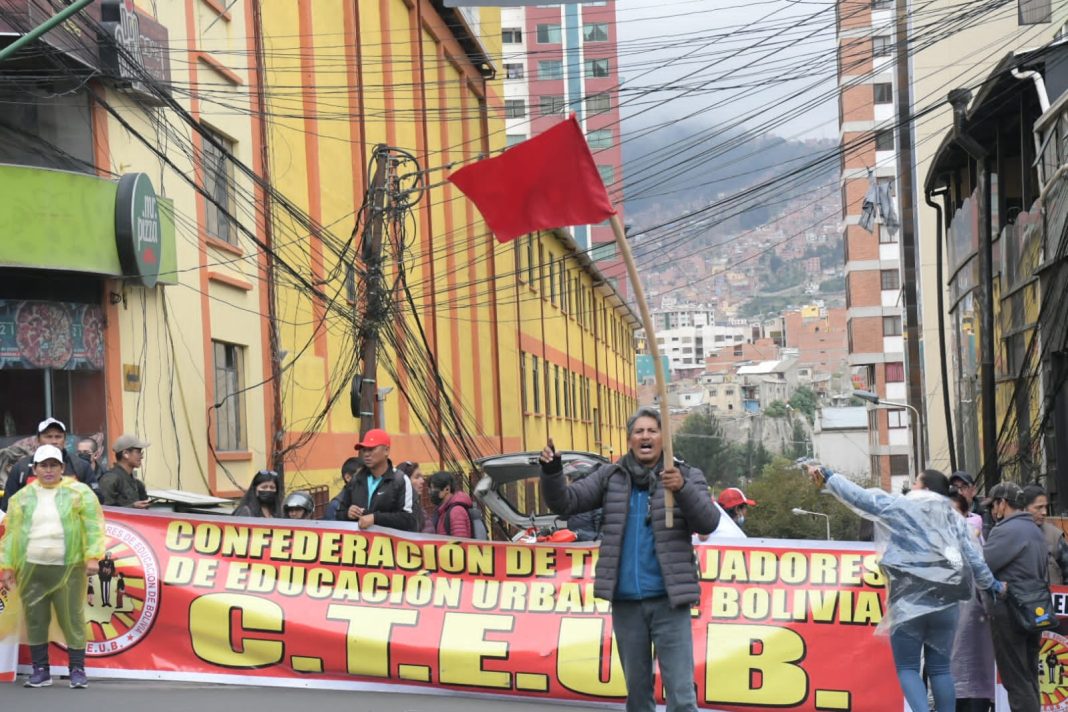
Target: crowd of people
x,y
957,565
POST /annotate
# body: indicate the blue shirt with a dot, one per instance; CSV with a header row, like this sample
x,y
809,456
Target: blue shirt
x,y
372,485
639,575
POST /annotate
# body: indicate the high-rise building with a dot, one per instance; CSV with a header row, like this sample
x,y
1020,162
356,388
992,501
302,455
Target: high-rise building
x,y
562,59
875,316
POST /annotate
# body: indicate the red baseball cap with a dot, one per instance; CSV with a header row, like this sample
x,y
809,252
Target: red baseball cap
x,y
373,438
732,497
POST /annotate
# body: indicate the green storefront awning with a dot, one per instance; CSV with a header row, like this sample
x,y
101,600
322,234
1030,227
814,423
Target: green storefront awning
x,y
60,220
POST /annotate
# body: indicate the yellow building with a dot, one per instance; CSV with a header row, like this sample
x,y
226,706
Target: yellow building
x,y
160,317
456,368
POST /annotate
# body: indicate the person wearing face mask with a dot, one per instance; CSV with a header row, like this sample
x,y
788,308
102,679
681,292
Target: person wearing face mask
x,y
89,450
452,506
53,539
119,487
735,504
645,569
262,498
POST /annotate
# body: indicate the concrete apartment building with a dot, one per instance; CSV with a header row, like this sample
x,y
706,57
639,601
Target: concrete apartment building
x,y
874,314
562,59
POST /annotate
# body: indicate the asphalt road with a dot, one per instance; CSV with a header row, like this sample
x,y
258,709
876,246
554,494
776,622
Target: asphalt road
x,y
153,696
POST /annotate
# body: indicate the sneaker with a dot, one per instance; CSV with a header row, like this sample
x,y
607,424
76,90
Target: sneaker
x,y
78,680
41,677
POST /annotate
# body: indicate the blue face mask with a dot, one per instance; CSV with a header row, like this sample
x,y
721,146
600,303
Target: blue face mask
x,y
740,520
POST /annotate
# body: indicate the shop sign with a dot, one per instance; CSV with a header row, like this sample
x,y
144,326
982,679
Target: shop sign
x,y
133,46
137,228
57,335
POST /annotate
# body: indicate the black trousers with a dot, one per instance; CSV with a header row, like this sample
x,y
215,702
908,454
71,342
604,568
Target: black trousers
x,y
1016,653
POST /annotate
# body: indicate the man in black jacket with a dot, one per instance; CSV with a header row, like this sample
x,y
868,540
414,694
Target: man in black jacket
x,y
49,432
646,570
1016,554
378,494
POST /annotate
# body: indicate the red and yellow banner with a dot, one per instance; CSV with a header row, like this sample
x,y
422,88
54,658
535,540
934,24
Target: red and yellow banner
x,y
780,625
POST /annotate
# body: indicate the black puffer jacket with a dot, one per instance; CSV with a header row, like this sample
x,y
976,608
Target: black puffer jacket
x,y
391,504
609,487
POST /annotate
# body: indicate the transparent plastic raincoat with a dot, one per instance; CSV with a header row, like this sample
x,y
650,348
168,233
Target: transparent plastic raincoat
x,y
927,553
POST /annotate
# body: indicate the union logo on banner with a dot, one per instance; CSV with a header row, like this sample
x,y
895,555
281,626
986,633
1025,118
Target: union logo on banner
x,y
1053,675
122,599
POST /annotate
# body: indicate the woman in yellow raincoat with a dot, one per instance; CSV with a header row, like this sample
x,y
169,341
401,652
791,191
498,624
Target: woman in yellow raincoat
x,y
53,538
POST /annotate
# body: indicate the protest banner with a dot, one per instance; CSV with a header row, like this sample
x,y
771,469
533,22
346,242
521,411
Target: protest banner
x,y
781,624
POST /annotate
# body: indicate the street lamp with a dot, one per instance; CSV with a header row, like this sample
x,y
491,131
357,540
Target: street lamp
x,y
798,512
875,400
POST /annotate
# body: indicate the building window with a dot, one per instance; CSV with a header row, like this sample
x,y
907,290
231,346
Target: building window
x,y
595,32
608,175
535,384
887,236
598,104
881,46
515,108
552,280
599,139
890,278
895,371
1034,12
597,68
898,418
891,326
229,397
548,34
530,261
549,104
513,70
884,93
884,140
218,183
513,139
882,4
550,69
523,381
899,465
511,35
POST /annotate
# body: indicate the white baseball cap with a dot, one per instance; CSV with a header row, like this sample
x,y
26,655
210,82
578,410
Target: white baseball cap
x,y
47,452
48,423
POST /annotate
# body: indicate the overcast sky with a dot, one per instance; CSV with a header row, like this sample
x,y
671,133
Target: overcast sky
x,y
725,60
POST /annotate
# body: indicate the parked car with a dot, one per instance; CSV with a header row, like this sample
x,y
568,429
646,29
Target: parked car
x,y
521,469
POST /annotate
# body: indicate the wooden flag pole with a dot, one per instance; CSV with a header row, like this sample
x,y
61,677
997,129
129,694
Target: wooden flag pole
x,y
654,349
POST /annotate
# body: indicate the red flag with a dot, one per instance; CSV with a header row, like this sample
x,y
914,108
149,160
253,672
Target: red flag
x,y
548,181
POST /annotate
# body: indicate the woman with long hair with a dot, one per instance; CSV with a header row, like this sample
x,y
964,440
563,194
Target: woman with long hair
x,y
263,497
929,561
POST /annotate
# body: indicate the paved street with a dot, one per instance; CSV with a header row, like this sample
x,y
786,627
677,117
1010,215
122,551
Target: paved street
x,y
154,696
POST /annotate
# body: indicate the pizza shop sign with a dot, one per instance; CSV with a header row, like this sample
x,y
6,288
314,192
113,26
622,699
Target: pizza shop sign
x,y
137,228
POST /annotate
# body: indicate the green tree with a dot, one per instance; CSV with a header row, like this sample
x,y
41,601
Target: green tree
x,y
780,488
800,444
775,409
805,400
701,443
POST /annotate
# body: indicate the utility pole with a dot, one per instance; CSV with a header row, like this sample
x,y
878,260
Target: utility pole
x,y
907,202
375,294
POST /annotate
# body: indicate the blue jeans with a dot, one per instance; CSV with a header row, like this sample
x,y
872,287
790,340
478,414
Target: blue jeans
x,y
641,626
932,634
